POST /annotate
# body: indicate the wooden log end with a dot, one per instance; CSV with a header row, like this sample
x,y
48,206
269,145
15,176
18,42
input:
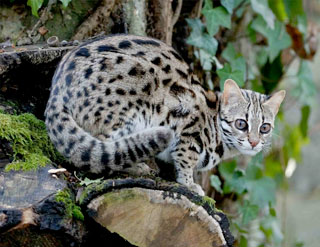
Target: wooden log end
x,y
146,213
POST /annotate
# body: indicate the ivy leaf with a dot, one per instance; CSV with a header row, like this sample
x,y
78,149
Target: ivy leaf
x,y
238,182
228,4
199,38
235,59
207,5
304,88
216,183
249,212
262,191
228,73
262,8
226,169
215,18
262,56
278,38
305,113
229,53
65,2
205,58
35,6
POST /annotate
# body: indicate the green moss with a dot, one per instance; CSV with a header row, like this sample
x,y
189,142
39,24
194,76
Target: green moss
x,y
119,197
28,137
72,210
93,187
208,200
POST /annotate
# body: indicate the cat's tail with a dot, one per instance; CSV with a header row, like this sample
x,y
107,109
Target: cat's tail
x,y
89,153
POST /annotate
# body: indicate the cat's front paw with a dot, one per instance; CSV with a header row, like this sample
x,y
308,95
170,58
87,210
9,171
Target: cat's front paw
x,y
196,188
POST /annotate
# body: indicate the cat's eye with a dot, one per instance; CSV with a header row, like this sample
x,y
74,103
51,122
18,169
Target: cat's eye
x,y
265,128
241,124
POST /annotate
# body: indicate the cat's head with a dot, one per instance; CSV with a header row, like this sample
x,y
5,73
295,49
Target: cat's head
x,y
247,118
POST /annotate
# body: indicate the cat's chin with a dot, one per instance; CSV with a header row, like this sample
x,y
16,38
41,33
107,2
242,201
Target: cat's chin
x,y
249,152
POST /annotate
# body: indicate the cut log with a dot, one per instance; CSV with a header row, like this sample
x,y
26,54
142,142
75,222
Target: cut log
x,y
31,215
148,213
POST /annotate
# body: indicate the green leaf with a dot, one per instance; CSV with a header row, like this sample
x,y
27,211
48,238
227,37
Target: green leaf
x,y
279,9
228,73
262,191
271,74
234,179
294,9
228,4
215,18
226,169
271,227
238,182
243,242
229,53
199,38
305,113
262,8
278,38
262,56
216,183
65,2
249,212
35,6
236,60
253,171
205,60
304,88
273,212
207,5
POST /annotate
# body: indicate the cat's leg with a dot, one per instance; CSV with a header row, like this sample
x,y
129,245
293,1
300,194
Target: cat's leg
x,y
134,149
185,162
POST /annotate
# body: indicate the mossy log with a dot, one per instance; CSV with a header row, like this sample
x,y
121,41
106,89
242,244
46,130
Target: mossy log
x,y
147,213
31,215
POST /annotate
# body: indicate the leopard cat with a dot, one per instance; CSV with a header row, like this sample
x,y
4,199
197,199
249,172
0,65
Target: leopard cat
x,y
119,100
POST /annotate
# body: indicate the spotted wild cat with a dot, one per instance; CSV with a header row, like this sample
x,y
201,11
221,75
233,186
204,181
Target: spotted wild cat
x,y
119,100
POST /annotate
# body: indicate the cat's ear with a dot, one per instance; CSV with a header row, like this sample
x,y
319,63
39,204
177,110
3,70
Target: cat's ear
x,y
231,93
274,101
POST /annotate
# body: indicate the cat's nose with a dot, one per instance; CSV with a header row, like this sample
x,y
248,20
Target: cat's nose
x,y
253,143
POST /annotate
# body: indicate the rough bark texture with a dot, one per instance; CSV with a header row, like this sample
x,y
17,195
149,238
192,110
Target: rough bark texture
x,y
30,215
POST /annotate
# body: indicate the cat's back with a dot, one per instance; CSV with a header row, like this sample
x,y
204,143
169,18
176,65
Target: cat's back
x,y
119,76
121,58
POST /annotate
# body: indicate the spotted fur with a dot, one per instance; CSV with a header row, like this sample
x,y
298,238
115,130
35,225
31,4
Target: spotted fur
x,y
117,101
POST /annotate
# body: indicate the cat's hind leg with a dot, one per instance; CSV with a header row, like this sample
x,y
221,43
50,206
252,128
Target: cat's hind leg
x,y
131,151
